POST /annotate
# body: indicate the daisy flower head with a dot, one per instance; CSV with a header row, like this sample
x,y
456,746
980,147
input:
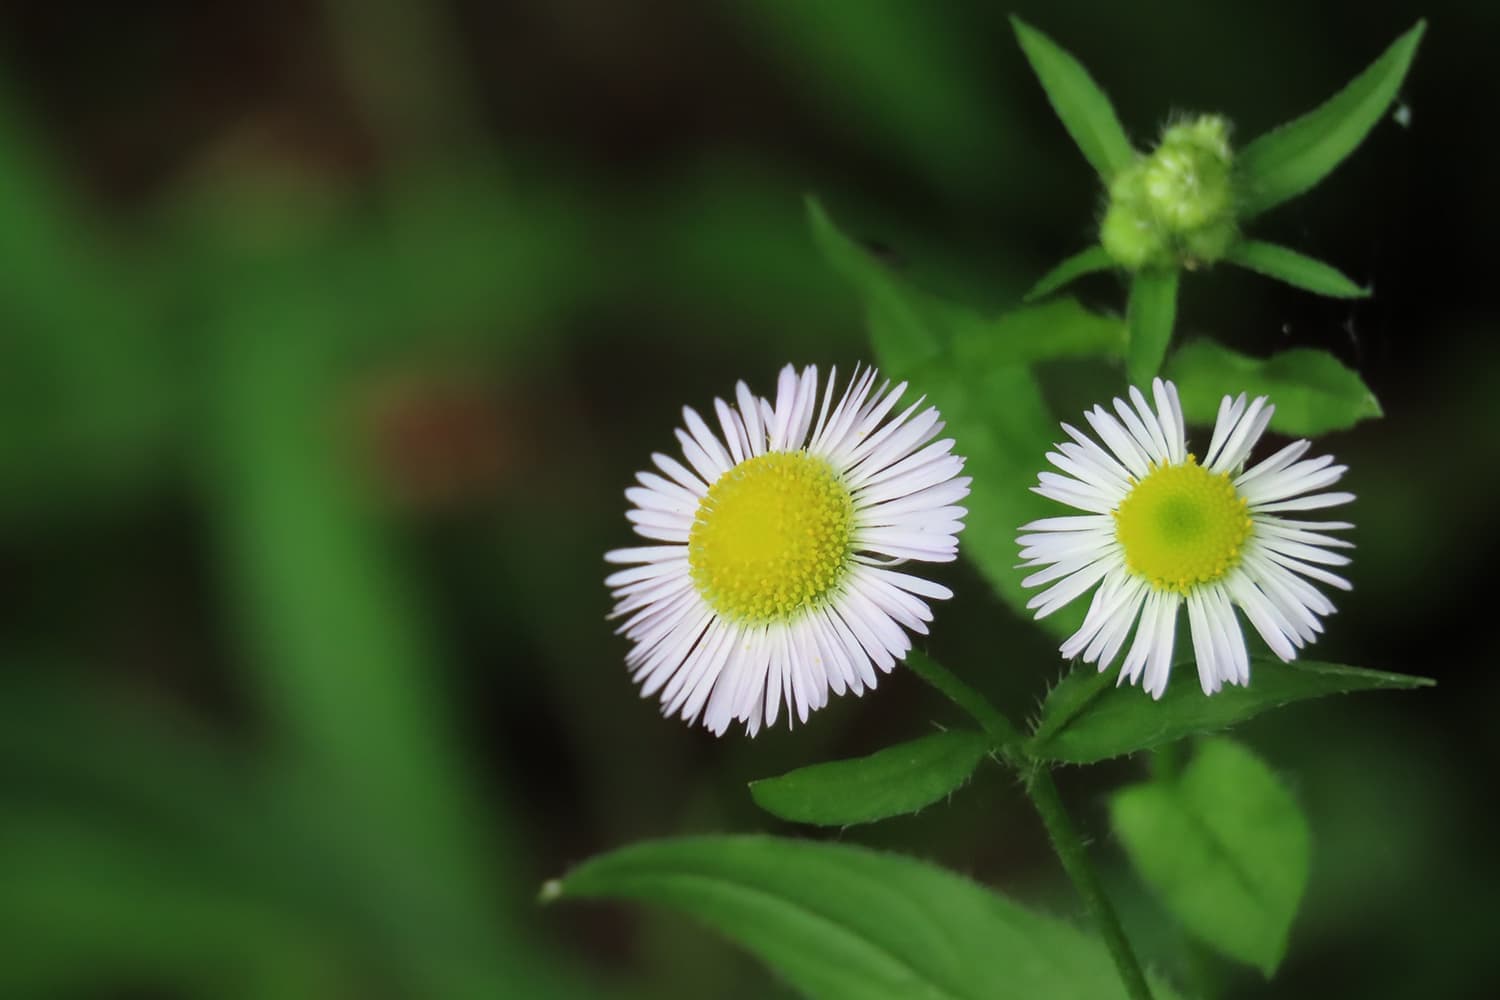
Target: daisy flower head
x,y
1162,531
772,574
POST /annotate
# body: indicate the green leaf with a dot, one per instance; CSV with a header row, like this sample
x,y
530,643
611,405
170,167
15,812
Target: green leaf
x,y
1151,314
1288,160
1224,846
845,922
891,782
1084,109
1312,390
1293,268
1087,718
1052,331
975,370
1095,258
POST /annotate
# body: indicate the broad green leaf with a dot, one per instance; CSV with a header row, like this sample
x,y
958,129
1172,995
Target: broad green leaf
x,y
1295,269
1084,109
891,782
1288,160
1224,846
1083,262
846,923
1312,390
1151,314
1088,718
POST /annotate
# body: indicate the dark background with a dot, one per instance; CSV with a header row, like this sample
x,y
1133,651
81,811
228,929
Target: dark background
x,y
331,333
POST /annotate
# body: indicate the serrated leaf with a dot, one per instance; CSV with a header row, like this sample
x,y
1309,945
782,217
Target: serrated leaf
x,y
892,782
1084,109
1087,718
1312,390
1293,268
1089,261
1288,160
1151,314
1225,848
846,923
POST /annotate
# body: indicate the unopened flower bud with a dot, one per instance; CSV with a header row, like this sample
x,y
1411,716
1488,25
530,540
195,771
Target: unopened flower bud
x,y
1175,206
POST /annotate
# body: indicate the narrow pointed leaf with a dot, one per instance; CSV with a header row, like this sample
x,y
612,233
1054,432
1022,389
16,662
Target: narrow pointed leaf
x,y
1298,270
1083,262
1151,314
1225,848
1288,160
846,923
1087,718
891,782
1085,110
1312,390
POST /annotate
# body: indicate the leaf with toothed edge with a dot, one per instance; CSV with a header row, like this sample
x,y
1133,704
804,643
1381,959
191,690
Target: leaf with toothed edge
x,y
895,781
1087,718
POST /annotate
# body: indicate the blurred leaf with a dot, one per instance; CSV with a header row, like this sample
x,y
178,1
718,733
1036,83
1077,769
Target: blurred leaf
x,y
1312,391
1053,331
1288,160
111,760
85,389
970,367
914,326
83,906
913,85
1294,268
1087,718
1084,109
341,655
1151,313
895,781
846,922
1224,846
1095,258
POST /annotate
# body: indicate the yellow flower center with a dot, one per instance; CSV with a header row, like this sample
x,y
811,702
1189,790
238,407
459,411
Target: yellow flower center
x,y
772,537
1182,526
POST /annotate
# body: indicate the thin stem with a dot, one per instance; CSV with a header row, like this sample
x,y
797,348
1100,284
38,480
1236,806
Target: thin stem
x,y
1001,731
1075,861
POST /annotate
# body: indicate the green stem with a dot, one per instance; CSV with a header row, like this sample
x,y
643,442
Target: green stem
x,y
1075,861
1001,731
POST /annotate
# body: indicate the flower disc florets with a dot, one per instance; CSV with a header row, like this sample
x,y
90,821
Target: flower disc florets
x,y
771,537
1174,207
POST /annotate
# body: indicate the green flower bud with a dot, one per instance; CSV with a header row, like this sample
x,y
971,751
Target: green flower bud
x,y
1175,206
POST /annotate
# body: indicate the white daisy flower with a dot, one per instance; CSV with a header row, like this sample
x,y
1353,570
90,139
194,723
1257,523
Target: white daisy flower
x,y
1163,531
773,578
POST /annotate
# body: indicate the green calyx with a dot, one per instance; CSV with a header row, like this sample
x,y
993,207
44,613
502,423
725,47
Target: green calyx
x,y
1175,207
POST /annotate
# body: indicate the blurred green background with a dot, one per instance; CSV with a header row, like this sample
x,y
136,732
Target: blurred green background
x,y
331,333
